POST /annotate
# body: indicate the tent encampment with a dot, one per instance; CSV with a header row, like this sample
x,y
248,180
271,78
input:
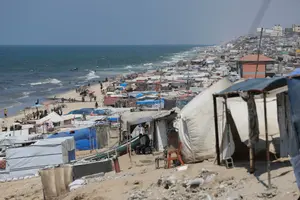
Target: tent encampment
x,y
196,124
53,117
28,160
85,138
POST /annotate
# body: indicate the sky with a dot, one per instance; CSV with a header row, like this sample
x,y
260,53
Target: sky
x,y
135,22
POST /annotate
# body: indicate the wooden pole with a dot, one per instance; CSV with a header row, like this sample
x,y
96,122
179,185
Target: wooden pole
x,y
258,51
267,143
216,130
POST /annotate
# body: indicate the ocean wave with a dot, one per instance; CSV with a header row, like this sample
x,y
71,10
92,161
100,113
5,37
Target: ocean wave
x,y
47,81
25,94
148,64
91,75
128,67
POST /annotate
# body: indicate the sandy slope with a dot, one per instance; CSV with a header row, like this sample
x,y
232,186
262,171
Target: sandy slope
x,y
140,178
71,106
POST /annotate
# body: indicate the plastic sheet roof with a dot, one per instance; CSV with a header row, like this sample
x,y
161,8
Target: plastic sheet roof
x,y
256,86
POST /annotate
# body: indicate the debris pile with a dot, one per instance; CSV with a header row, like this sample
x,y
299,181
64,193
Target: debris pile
x,y
205,186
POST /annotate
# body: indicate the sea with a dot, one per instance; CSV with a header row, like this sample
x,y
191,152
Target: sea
x,y
28,73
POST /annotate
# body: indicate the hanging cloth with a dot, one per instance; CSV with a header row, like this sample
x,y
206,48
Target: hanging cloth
x,y
252,116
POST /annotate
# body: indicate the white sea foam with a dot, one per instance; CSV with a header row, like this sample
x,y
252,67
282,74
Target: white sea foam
x,y
26,94
91,75
148,64
128,67
47,81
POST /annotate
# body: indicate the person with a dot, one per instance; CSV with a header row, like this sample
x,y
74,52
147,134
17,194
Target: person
x,y
96,104
5,112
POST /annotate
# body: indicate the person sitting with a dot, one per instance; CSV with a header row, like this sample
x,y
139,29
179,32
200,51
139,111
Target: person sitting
x,y
144,146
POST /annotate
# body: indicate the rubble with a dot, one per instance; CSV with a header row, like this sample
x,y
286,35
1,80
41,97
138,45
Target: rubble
x,y
207,186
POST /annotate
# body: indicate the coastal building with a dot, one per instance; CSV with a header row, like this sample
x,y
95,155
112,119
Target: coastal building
x,y
247,66
277,30
296,28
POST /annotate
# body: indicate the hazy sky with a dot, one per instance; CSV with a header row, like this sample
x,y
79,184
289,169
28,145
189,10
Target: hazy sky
x,y
135,21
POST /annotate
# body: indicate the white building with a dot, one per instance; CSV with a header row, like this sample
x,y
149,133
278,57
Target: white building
x,y
296,28
277,30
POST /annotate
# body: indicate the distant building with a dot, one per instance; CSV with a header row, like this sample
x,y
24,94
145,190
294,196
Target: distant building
x,y
296,28
288,30
277,30
247,66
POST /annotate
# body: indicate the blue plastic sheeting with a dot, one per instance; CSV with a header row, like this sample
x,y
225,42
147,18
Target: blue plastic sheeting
x,y
150,102
85,138
257,85
296,72
113,119
123,84
82,111
139,95
101,112
294,97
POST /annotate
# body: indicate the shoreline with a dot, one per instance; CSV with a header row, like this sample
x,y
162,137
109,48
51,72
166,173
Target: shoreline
x,y
70,105
70,93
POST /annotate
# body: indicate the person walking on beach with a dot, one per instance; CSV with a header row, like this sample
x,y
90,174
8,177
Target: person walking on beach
x,y
5,113
96,104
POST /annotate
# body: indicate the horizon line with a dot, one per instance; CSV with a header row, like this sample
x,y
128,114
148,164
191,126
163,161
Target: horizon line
x,y
106,44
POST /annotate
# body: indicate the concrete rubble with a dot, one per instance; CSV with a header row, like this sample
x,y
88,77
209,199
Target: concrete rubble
x,y
206,186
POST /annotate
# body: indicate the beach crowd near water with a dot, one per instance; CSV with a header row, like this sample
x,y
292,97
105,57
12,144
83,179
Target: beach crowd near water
x,y
147,106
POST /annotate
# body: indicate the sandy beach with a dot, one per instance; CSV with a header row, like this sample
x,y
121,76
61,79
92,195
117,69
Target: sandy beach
x,y
139,180
69,105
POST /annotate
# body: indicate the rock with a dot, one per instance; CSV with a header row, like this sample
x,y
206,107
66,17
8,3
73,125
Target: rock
x,y
210,178
268,194
195,182
159,182
169,182
235,197
136,182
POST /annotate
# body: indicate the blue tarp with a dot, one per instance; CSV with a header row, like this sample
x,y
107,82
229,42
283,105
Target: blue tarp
x,y
85,138
123,84
294,97
150,102
257,85
113,119
296,72
81,111
101,112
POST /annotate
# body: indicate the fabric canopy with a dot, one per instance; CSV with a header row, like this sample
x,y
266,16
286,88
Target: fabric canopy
x,y
53,117
134,118
257,85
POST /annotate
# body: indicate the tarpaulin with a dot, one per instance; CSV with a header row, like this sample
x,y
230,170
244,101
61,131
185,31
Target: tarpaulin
x,y
294,97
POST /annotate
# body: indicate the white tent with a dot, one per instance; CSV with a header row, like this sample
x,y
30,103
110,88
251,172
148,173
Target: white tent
x,y
239,112
28,160
196,124
53,117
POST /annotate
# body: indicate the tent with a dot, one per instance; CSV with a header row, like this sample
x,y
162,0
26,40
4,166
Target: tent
x,y
28,160
85,138
53,117
82,111
135,118
196,124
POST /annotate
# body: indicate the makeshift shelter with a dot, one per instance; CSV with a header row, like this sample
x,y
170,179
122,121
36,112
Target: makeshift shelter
x,y
85,138
52,117
28,160
158,124
195,124
152,103
247,90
